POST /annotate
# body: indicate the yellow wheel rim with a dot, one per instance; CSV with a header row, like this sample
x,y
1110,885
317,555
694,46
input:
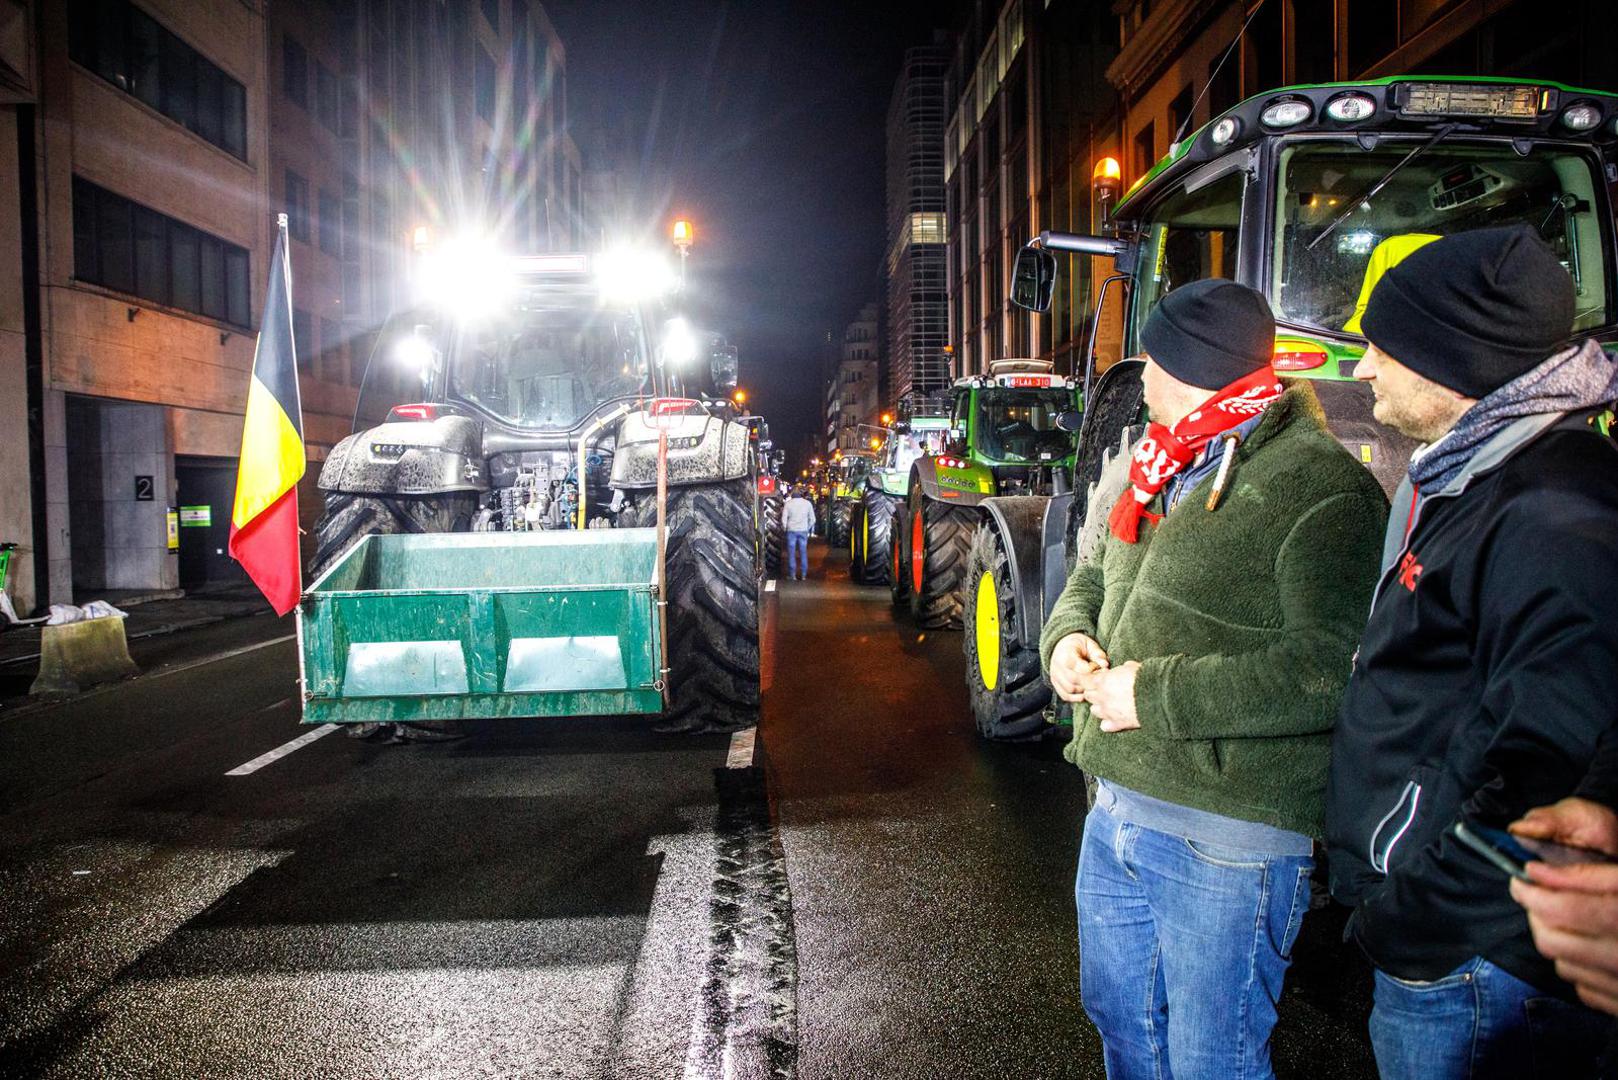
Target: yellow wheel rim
x,y
865,539
853,545
987,628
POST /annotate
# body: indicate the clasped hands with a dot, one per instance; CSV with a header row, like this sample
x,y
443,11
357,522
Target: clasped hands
x,y
1080,671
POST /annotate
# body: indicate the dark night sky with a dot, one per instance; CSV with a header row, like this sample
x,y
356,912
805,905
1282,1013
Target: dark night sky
x,y
764,122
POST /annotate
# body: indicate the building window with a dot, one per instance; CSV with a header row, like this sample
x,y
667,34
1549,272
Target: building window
x,y
484,85
331,230
328,98
1145,156
1373,33
1314,30
128,247
491,11
297,204
294,72
1180,113
303,337
126,47
331,338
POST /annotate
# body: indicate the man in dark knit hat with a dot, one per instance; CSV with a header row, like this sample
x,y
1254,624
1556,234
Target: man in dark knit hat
x,y
1205,645
1489,669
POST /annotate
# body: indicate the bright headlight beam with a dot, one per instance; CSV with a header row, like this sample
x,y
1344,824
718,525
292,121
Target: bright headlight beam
x,y
679,343
632,277
469,277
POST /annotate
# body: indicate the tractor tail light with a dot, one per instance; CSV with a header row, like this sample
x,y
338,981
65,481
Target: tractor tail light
x,y
420,411
1299,356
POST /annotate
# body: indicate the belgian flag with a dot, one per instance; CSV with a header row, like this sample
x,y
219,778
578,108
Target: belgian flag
x,y
264,521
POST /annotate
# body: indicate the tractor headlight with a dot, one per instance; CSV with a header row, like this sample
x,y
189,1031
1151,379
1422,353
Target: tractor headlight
x,y
633,277
679,343
1224,131
468,277
1581,117
1285,114
414,353
1349,107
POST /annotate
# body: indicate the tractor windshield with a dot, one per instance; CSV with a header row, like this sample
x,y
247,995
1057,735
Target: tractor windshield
x,y
548,360
1324,281
1020,425
1189,235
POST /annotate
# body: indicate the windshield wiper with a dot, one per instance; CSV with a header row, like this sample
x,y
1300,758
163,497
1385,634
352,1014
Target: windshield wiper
x,y
1355,203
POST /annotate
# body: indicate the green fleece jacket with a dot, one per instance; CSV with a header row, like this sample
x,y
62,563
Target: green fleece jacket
x,y
1244,619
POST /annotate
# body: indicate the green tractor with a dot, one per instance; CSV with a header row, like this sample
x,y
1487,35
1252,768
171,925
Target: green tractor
x,y
1307,194
844,478
1011,434
770,502
882,483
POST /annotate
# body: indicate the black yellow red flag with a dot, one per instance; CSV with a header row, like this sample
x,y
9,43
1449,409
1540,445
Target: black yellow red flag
x,y
264,520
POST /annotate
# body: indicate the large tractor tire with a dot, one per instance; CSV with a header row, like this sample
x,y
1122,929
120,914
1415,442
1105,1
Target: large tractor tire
x,y
873,538
1003,676
351,518
1116,408
940,537
899,557
856,529
774,538
713,611
838,515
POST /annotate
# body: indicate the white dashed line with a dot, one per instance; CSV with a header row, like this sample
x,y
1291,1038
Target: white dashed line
x,y
282,751
741,749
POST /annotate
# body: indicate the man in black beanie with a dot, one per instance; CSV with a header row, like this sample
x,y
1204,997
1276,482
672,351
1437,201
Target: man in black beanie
x,y
1488,671
1205,646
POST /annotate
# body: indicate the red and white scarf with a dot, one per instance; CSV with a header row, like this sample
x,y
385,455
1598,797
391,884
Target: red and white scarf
x,y
1166,450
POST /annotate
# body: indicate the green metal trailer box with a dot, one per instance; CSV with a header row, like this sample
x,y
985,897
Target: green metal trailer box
x,y
433,626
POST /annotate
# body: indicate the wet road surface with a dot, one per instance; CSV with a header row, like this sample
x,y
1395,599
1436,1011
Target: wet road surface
x,y
873,892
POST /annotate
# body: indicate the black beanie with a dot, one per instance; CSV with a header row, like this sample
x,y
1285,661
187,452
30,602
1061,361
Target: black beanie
x,y
1210,333
1475,310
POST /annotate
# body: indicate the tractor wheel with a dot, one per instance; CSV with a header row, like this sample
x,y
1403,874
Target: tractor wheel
x,y
774,538
875,530
1003,676
351,518
713,607
899,557
837,519
856,534
940,536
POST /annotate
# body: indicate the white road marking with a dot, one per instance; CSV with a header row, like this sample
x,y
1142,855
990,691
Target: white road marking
x,y
741,749
282,751
769,586
188,665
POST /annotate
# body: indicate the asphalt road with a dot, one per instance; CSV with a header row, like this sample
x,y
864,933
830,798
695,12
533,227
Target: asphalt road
x,y
869,892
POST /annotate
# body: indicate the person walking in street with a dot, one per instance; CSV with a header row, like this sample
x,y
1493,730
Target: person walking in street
x,y
1206,645
1488,671
798,520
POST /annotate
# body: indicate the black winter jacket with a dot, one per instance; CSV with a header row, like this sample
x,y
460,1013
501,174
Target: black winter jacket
x,y
1486,676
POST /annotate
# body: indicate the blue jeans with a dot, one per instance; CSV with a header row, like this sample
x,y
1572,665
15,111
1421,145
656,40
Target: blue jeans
x,y
797,554
1182,950
1479,1022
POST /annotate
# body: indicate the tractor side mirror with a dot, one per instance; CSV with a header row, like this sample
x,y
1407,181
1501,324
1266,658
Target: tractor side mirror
x,y
1068,420
1033,279
722,367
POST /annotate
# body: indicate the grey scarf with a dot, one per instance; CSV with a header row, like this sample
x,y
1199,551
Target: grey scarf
x,y
1579,377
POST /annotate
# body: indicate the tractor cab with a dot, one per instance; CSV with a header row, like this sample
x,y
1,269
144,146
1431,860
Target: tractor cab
x,y
1308,194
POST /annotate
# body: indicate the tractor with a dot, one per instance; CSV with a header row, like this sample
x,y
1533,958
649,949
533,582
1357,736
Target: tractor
x,y
1010,434
771,499
1307,194
882,485
557,514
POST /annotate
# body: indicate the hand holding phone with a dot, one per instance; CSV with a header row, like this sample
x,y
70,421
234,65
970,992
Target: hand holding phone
x,y
1513,853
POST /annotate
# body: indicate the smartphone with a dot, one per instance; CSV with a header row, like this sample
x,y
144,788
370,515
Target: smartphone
x,y
1513,853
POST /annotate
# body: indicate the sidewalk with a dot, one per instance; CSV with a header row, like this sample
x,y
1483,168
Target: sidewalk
x,y
150,615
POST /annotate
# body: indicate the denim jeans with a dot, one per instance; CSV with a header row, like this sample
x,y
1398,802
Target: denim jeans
x,y
1182,950
798,554
1479,1022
